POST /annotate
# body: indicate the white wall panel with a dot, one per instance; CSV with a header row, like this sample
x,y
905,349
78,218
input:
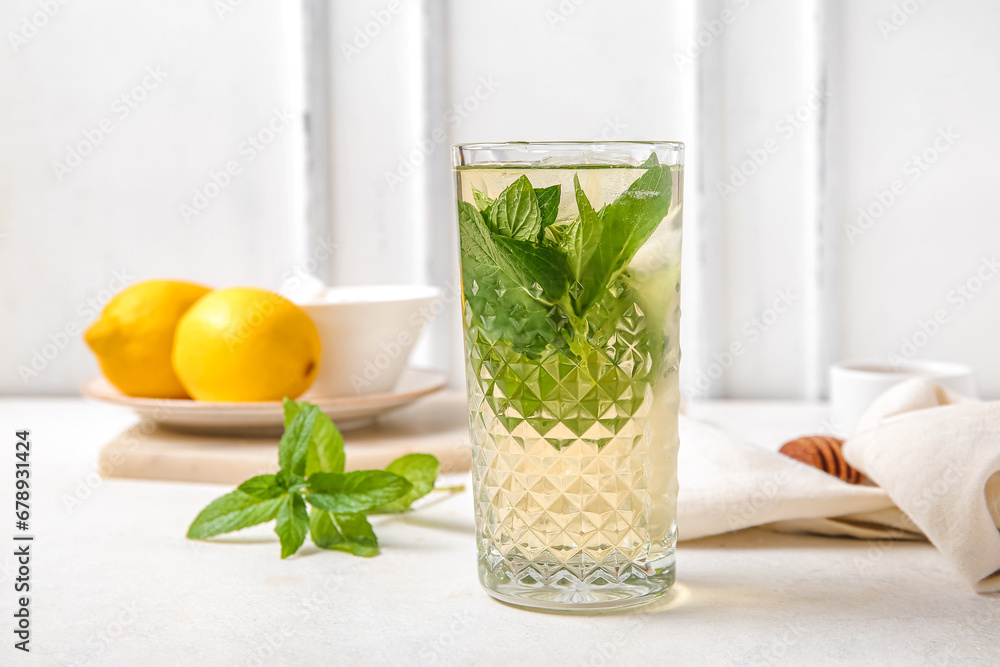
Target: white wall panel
x,y
64,239
377,84
913,78
760,103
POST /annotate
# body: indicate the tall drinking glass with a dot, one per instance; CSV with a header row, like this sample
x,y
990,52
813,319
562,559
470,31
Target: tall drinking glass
x,y
571,260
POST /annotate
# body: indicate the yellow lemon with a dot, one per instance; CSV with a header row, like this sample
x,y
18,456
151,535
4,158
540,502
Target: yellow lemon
x,y
134,337
245,344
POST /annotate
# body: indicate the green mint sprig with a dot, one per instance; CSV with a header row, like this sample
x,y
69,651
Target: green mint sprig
x,y
311,460
536,282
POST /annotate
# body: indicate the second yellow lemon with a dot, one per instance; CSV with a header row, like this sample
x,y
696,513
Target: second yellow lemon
x,y
245,344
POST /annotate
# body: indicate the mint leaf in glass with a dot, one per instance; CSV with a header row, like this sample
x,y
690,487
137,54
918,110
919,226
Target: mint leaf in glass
x,y
537,269
580,241
516,214
504,307
548,206
627,223
483,203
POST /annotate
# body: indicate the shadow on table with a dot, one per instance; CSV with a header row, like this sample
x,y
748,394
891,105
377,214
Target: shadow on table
x,y
761,538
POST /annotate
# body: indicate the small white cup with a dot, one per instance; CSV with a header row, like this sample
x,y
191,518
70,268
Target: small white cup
x,y
854,385
367,335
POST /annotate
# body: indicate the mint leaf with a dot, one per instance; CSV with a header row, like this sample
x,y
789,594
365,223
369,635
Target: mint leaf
x,y
476,241
326,448
483,203
548,206
264,487
293,524
343,532
580,240
294,443
325,451
420,470
516,213
539,270
232,512
650,162
626,224
289,481
358,491
500,306
552,235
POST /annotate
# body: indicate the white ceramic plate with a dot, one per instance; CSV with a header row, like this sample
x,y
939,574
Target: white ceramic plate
x,y
265,417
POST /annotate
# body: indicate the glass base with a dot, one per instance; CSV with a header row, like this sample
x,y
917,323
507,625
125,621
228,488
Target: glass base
x,y
562,589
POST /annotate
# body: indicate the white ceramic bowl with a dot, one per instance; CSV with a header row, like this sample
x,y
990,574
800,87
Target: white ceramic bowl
x,y
854,385
367,335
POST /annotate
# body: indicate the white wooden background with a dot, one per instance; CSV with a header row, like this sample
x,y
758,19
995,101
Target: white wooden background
x,y
797,114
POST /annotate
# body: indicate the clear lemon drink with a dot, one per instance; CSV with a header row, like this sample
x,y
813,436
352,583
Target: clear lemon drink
x,y
570,273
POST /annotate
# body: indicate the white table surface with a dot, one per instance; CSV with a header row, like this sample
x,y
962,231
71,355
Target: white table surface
x,y
114,582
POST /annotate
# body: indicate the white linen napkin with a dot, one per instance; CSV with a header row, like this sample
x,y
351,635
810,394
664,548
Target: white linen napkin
x,y
728,484
937,455
934,455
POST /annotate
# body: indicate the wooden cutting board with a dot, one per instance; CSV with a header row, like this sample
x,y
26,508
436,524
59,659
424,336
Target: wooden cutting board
x,y
436,425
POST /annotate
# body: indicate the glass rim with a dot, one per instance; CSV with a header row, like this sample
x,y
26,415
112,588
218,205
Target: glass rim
x,y
494,145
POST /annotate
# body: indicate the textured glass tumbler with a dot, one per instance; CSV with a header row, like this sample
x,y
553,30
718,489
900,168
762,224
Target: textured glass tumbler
x,y
571,259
